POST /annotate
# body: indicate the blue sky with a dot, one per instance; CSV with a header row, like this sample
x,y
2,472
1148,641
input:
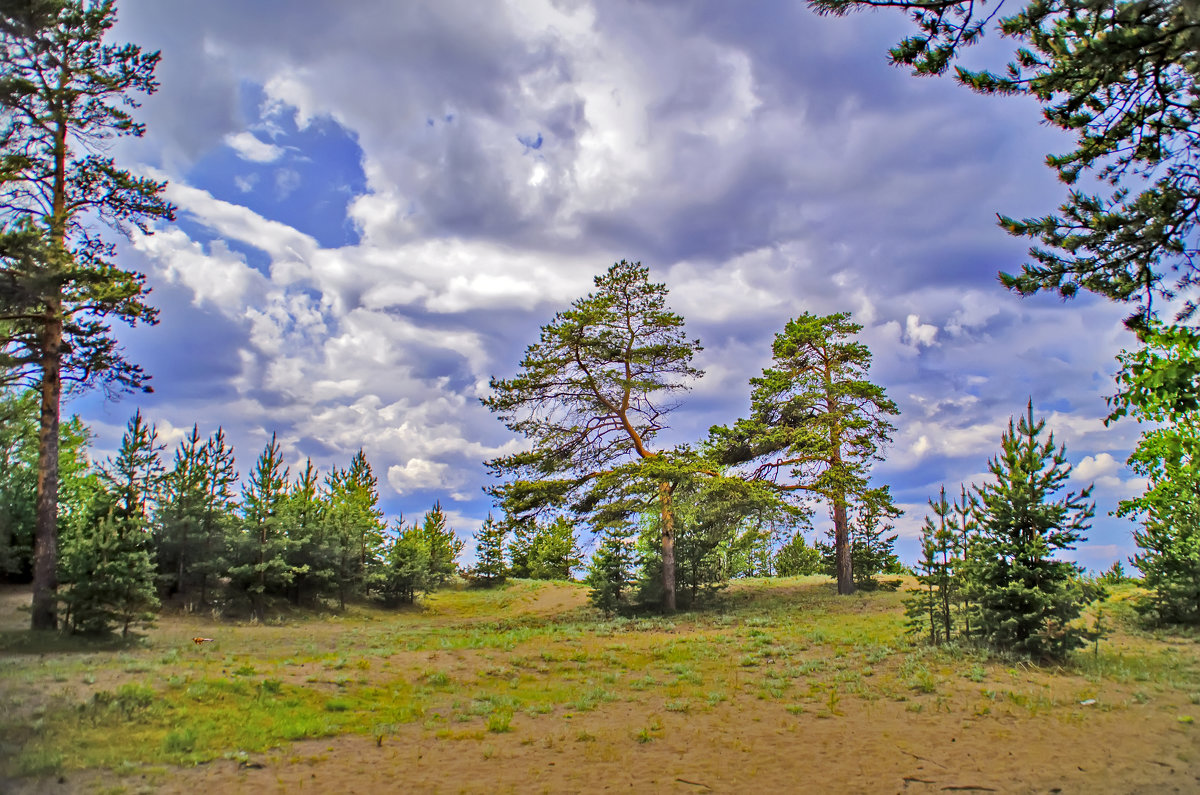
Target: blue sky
x,y
379,207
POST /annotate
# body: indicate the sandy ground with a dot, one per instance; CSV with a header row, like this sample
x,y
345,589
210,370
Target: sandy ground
x,y
745,747
745,744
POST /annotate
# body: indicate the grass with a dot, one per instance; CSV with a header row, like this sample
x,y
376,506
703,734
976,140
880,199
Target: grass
x,y
467,661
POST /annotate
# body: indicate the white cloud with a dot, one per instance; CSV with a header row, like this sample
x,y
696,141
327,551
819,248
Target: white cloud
x,y
918,334
417,474
1091,467
249,147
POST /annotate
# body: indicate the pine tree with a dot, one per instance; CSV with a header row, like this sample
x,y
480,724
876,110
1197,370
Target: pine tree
x,y
965,530
179,514
553,552
407,570
107,560
218,513
312,558
1119,76
816,424
928,608
611,570
441,544
591,396
796,558
490,568
65,90
1025,599
519,548
353,526
872,550
260,548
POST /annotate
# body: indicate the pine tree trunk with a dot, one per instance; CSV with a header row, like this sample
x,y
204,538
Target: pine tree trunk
x,y
668,547
841,536
44,613
45,555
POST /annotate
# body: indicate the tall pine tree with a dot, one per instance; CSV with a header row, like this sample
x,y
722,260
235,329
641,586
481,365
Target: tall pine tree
x,y
816,423
63,89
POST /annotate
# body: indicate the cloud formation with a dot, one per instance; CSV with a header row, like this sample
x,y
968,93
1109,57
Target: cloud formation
x,y
763,161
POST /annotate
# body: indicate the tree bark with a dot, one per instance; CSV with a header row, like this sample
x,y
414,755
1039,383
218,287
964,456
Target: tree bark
x,y
44,614
668,547
841,540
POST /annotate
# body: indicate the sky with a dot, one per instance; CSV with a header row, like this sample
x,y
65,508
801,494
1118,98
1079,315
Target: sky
x,y
380,203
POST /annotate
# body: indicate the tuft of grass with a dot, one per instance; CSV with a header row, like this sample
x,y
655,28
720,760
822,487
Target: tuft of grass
x,y
500,721
180,741
338,705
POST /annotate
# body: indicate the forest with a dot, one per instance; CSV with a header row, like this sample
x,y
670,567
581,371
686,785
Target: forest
x,y
765,545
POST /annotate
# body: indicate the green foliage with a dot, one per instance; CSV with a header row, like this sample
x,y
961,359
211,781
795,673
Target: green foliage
x,y
313,554
420,558
721,532
490,566
1114,575
610,572
1026,600
353,527
1151,389
259,548
442,544
106,558
1121,77
816,423
1160,380
591,396
796,558
18,477
406,571
544,551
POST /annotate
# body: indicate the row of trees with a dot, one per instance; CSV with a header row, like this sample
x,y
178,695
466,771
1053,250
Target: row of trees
x,y
137,530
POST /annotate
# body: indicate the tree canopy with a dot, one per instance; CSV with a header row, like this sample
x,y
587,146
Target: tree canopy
x,y
1120,77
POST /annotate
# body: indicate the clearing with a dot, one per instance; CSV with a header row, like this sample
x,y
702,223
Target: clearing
x,y
783,687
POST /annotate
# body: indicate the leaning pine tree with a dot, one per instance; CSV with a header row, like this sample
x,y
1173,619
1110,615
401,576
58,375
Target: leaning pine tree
x,y
591,395
1025,598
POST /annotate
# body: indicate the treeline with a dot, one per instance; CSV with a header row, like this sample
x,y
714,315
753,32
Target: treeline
x,y
138,531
